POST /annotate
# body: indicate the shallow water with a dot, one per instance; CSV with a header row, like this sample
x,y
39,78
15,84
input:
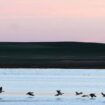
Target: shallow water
x,y
44,82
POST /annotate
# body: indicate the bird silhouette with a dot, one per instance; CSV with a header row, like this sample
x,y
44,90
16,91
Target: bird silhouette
x,y
84,96
78,93
59,93
1,89
92,95
103,94
30,93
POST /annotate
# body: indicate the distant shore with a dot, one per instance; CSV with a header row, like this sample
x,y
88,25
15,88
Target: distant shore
x,y
52,55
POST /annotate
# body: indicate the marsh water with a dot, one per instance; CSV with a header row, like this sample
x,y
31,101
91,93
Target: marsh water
x,y
44,83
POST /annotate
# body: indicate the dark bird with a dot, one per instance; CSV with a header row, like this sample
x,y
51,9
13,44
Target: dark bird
x,y
30,94
92,95
59,93
78,93
1,89
85,96
103,94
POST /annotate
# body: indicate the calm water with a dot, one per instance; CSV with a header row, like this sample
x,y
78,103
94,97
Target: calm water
x,y
44,82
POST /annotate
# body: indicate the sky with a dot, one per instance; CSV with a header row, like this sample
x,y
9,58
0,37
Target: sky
x,y
52,20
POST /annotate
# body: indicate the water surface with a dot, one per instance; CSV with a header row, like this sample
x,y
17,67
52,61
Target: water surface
x,y
44,82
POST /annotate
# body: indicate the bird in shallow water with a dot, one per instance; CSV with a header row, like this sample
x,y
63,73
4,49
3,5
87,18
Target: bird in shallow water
x,y
78,93
59,93
30,93
92,95
103,94
1,89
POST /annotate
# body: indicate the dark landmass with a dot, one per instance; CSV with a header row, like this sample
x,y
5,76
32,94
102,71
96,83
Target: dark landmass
x,y
52,55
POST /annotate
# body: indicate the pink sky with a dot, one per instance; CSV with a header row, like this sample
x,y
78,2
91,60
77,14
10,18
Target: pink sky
x,y
52,20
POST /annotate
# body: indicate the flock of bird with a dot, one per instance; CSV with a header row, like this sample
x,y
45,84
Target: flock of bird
x,y
59,93
92,95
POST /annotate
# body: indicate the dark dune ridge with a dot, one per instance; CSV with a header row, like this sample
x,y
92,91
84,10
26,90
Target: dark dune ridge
x,y
52,55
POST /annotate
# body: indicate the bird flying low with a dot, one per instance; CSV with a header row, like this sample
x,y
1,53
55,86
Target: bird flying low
x,y
1,89
59,93
78,93
30,93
